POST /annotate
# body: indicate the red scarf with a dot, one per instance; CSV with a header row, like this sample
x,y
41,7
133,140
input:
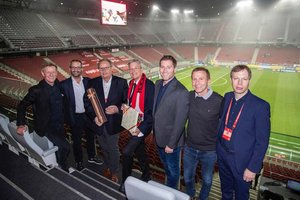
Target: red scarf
x,y
139,88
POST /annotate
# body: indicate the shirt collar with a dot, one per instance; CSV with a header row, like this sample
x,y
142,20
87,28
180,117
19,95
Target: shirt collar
x,y
169,81
206,96
73,79
243,98
108,82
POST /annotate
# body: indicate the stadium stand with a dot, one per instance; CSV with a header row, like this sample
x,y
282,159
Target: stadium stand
x,y
271,31
147,40
235,54
249,29
278,55
26,30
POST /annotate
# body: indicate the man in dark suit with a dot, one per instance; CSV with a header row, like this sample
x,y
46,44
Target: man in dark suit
x,y
73,90
47,105
243,136
112,93
171,101
140,97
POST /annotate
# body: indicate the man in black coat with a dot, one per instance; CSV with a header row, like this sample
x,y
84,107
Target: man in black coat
x,y
73,90
112,93
47,104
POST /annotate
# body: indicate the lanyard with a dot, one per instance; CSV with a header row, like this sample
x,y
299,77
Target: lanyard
x,y
237,117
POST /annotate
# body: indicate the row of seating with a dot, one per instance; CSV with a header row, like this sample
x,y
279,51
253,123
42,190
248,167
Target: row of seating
x,y
38,30
40,150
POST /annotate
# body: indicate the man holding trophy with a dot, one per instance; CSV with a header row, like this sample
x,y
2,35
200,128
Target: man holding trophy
x,y
107,92
140,98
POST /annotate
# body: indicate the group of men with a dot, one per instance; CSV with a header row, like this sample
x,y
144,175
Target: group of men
x,y
233,130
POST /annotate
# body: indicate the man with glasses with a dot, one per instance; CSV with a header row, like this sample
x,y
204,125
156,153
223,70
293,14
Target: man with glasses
x,y
140,97
73,90
112,93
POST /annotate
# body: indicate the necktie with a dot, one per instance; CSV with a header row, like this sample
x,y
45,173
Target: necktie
x,y
131,93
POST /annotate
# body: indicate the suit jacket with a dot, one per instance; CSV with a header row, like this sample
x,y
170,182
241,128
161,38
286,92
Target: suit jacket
x,y
146,125
252,133
117,96
171,114
69,98
39,97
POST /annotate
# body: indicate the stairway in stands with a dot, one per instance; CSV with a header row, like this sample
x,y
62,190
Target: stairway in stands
x,y
20,180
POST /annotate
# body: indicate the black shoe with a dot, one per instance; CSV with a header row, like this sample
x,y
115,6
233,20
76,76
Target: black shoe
x,y
122,188
96,161
79,166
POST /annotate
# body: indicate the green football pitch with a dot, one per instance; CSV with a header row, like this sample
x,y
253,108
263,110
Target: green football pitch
x,y
281,90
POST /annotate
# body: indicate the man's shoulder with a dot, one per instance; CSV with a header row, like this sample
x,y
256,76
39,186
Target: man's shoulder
x,y
217,96
149,82
258,100
95,80
117,78
66,81
180,86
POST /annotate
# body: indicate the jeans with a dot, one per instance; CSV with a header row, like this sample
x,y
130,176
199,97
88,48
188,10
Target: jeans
x,y
191,158
171,165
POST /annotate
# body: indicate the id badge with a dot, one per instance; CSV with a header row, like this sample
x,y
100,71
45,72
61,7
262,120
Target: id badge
x,y
227,134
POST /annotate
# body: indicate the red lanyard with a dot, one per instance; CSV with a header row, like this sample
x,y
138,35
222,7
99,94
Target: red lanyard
x,y
237,117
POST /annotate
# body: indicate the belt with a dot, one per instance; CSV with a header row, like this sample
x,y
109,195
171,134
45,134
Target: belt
x,y
79,113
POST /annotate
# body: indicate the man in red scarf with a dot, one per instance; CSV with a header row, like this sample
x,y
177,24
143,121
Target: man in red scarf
x,y
140,97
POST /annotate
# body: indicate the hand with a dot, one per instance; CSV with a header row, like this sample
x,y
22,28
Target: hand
x,y
21,129
136,132
248,175
124,107
96,120
111,110
168,150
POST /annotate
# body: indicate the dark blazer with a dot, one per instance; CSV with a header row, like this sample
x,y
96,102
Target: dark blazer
x,y
69,98
146,125
38,96
171,114
252,133
117,96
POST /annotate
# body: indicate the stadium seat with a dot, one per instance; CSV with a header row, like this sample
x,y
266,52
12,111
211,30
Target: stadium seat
x,y
5,135
136,189
40,149
178,194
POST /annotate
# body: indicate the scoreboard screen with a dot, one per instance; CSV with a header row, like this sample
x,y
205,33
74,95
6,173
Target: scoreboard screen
x,y
113,13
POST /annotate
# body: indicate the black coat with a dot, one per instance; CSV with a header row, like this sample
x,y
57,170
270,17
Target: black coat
x,y
38,97
117,96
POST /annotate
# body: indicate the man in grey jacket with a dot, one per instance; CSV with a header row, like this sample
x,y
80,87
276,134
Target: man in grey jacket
x,y
171,101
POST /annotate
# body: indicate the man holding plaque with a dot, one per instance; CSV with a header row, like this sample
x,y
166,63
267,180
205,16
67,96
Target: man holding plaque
x,y
112,93
140,97
73,90
243,136
171,105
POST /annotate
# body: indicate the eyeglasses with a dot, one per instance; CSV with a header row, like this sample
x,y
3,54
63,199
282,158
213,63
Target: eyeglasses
x,y
104,68
76,68
133,69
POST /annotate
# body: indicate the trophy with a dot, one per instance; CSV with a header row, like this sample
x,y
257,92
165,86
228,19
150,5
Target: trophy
x,y
92,95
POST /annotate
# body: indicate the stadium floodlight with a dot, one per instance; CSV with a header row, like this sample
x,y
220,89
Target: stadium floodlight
x,y
175,11
155,7
243,4
188,11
